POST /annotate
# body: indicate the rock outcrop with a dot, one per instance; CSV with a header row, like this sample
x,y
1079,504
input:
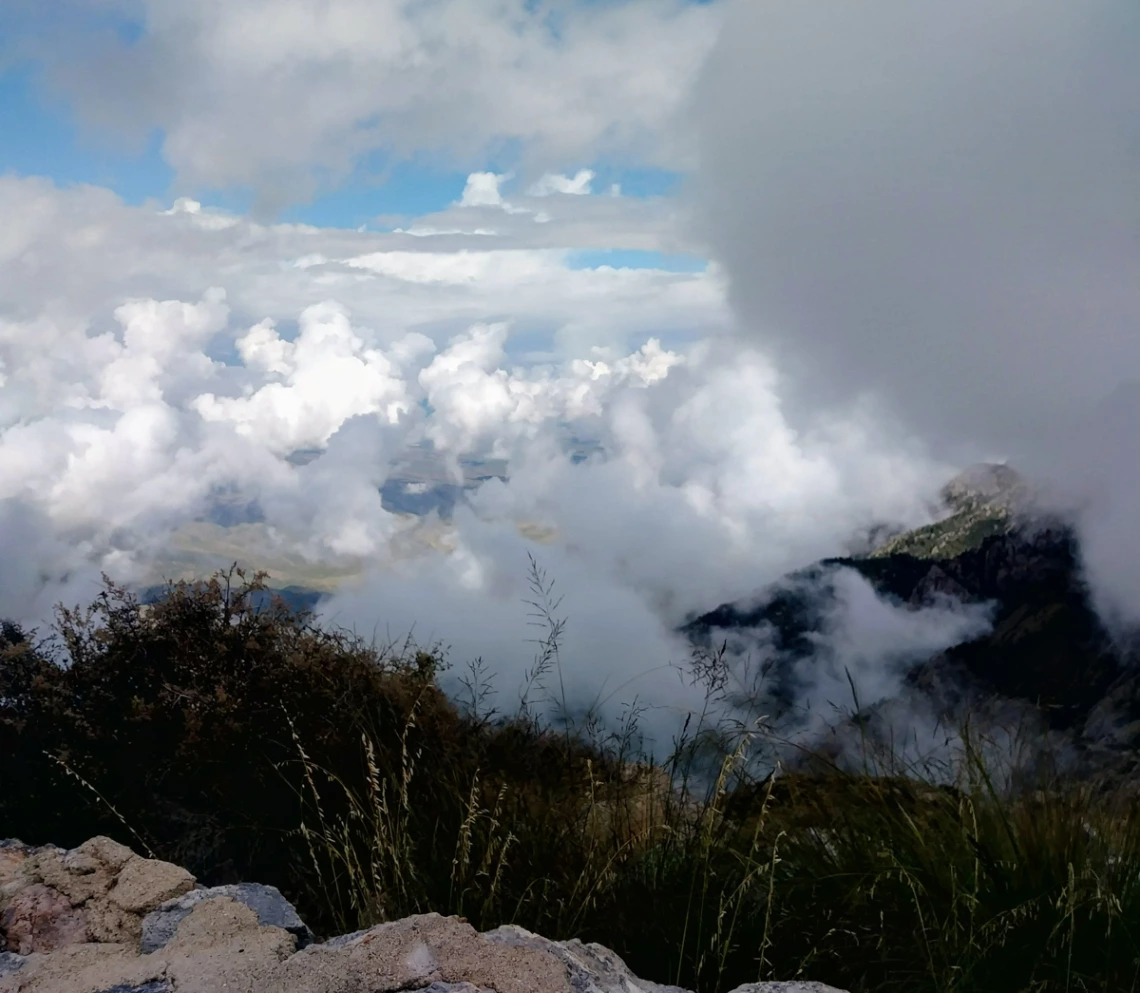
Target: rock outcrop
x,y
101,919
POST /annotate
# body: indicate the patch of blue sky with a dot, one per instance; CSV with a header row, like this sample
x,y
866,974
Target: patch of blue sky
x,y
38,138
632,258
383,193
405,191
640,183
384,199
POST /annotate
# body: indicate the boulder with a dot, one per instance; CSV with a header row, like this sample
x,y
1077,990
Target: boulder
x,y
272,910
41,919
101,919
792,987
143,884
591,968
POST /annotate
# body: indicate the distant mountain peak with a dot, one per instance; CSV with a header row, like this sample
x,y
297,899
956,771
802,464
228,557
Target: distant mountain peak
x,y
985,499
993,483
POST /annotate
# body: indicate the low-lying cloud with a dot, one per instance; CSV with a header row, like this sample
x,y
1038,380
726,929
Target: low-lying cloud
x,y
121,436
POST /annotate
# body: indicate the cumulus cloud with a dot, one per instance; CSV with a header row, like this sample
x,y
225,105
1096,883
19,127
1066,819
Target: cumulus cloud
x,y
326,377
273,96
921,215
933,204
702,493
482,190
275,338
156,357
71,257
153,357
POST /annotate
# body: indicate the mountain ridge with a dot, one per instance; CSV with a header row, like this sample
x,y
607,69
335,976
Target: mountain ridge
x,y
1046,647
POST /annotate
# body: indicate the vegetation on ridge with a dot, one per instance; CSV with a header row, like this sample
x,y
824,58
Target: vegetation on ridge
x,y
250,743
983,501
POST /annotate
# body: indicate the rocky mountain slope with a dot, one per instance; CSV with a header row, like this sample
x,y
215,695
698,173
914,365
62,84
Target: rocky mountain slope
x,y
984,500
1046,646
101,919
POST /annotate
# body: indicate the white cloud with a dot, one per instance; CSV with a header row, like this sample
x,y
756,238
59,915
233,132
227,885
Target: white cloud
x,y
269,94
462,267
867,643
552,182
155,335
327,376
888,192
62,294
127,410
854,660
482,190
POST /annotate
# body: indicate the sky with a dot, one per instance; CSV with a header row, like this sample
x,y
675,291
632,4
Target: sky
x,y
790,266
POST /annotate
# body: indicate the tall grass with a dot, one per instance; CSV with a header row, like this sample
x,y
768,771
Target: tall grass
x,y
867,883
924,879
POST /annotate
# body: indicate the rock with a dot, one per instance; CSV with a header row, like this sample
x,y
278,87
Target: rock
x,y
107,852
50,898
592,968
417,952
100,919
158,986
10,963
110,924
341,940
78,875
13,854
85,969
144,884
793,987
272,910
455,988
41,919
221,946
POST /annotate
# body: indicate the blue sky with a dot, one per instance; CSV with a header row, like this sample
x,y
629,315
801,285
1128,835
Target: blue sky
x,y
39,136
630,258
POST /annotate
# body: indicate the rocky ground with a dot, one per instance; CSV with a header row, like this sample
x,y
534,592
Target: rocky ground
x,y
101,919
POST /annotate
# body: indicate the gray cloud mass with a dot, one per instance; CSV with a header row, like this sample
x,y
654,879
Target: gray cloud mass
x,y
938,204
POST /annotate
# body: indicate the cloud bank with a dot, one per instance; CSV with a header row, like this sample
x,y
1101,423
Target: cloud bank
x,y
936,204
160,360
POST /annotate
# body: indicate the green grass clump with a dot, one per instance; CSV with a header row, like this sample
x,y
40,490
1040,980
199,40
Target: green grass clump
x,y
253,744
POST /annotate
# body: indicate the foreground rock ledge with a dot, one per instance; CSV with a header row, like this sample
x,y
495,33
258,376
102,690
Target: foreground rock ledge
x,y
101,919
